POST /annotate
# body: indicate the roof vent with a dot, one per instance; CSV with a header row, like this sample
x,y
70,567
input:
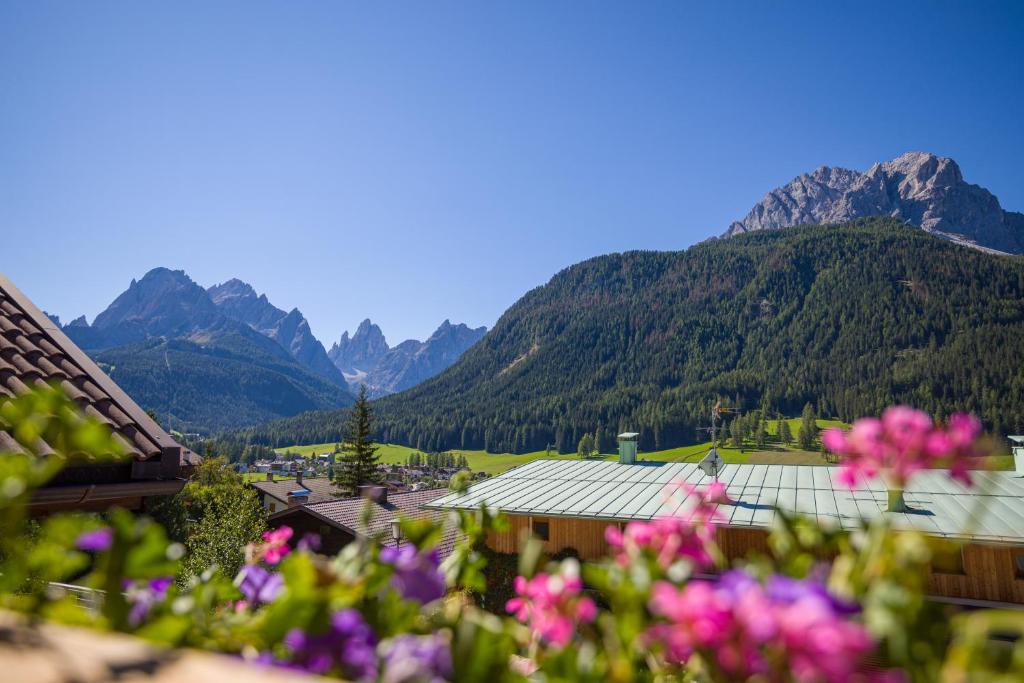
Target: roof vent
x,y
627,447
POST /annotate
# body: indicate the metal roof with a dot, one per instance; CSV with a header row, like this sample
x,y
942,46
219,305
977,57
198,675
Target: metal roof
x,y
993,509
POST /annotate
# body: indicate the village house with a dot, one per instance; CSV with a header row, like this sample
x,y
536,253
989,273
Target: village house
x,y
35,352
568,504
339,522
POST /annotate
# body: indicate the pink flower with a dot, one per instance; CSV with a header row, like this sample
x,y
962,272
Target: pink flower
x,y
670,539
551,604
275,545
745,629
901,443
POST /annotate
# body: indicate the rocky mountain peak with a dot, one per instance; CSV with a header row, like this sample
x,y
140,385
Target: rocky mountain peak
x,y
920,188
230,289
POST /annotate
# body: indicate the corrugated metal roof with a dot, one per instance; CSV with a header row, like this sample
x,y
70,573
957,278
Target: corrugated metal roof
x,y
993,509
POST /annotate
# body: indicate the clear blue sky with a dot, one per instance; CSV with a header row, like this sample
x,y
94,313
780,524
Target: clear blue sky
x,y
411,162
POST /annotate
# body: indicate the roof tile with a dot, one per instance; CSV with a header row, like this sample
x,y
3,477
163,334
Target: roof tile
x,y
33,351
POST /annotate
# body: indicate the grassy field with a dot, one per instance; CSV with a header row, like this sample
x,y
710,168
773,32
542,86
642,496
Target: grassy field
x,y
491,463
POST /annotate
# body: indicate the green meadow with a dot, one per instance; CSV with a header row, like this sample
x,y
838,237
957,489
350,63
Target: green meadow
x,y
495,463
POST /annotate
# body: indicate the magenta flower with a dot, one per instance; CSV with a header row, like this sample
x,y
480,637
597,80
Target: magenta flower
x,y
275,544
95,541
901,443
789,627
552,604
670,539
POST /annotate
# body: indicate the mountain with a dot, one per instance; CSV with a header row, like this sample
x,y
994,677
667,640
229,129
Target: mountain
x,y
849,317
919,188
239,301
229,384
167,343
366,358
359,354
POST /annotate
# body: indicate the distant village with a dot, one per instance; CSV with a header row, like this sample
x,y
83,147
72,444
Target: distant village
x,y
420,471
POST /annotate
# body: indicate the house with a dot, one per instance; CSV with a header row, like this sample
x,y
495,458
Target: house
x,y
568,504
35,352
339,522
280,494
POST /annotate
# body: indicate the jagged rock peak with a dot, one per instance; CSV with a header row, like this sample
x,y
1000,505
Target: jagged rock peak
x,y
232,288
920,188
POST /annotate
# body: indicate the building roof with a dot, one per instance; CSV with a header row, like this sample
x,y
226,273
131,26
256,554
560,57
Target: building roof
x,y
991,510
320,488
347,513
34,352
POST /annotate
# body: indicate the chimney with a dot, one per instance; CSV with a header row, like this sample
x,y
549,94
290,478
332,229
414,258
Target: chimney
x,y
1018,454
896,501
375,493
627,447
298,497
298,477
270,476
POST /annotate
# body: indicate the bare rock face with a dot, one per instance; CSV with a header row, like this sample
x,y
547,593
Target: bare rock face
x,y
238,300
366,358
920,188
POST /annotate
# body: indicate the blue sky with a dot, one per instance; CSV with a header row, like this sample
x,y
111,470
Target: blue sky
x,y
411,162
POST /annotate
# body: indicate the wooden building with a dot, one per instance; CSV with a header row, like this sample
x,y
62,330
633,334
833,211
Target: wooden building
x,y
35,352
569,504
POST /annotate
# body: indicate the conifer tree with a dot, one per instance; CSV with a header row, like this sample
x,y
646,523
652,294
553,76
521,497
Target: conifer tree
x,y
760,434
358,462
586,446
785,434
808,429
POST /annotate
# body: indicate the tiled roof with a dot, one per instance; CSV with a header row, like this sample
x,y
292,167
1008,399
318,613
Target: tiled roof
x,y
34,352
320,488
993,509
348,513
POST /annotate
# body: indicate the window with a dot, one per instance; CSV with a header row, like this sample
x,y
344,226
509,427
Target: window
x,y
273,507
1018,561
948,559
540,529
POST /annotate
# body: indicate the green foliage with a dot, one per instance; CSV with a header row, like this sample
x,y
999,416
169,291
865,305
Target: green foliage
x,y
785,436
808,433
215,515
358,462
586,446
851,318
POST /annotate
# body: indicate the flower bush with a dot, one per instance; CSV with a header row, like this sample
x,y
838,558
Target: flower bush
x,y
665,606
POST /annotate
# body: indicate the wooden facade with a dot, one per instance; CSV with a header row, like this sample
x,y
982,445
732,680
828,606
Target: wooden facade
x,y
989,572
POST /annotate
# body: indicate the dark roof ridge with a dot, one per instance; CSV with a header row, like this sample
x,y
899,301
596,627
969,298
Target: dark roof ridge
x,y
142,420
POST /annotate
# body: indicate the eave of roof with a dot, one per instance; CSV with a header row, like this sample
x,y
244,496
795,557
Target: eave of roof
x,y
128,420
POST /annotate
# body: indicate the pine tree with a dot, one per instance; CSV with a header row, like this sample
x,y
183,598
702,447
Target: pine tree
x,y
736,432
760,434
586,446
358,463
808,429
785,435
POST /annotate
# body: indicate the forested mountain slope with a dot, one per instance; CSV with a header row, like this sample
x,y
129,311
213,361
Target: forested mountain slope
x,y
195,386
851,318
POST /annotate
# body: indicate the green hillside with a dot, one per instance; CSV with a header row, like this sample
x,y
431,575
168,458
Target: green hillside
x,y
849,318
222,385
